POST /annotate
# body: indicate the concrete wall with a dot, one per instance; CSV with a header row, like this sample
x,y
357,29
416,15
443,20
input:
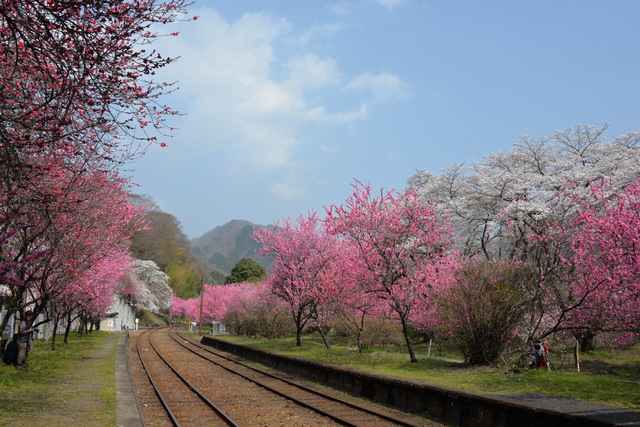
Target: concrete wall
x,y
452,406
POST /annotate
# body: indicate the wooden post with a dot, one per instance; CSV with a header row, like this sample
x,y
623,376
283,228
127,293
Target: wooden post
x,y
576,355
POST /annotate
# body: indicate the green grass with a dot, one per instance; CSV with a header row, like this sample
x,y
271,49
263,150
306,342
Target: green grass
x,y
73,385
106,372
151,319
609,377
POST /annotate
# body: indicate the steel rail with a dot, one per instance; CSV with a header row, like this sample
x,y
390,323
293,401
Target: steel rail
x,y
226,418
156,388
383,416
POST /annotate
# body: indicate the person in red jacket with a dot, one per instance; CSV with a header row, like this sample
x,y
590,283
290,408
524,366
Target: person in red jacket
x,y
539,357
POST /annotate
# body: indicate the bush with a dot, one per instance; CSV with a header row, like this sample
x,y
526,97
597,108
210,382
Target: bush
x,y
484,308
253,319
376,332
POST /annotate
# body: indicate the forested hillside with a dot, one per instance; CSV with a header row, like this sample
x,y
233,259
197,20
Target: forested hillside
x,y
163,242
223,246
210,257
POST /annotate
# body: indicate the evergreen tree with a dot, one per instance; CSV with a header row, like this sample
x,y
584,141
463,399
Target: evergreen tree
x,y
246,270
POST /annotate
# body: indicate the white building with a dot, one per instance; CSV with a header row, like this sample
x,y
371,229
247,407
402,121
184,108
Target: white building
x,y
121,315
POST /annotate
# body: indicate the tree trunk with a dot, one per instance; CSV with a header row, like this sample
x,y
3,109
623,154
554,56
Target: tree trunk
x,y
67,329
54,333
576,354
324,337
587,342
298,336
81,324
300,322
405,332
360,328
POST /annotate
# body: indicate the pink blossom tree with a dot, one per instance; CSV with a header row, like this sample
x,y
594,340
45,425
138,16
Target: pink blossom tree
x,y
216,301
212,303
246,308
76,70
606,257
404,246
587,279
178,308
88,219
354,304
303,274
90,294
76,100
258,312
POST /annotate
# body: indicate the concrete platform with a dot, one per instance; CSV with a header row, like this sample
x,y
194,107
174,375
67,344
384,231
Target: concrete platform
x,y
582,412
452,406
127,406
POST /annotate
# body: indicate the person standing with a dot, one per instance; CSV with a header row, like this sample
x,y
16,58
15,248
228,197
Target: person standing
x,y
25,332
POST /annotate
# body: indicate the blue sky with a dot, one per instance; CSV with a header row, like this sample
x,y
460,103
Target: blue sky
x,y
286,102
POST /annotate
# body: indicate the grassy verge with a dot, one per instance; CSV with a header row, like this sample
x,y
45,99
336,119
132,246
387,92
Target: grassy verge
x,y
73,385
609,377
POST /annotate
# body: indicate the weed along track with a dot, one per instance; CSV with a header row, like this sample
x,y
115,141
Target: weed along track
x,y
180,382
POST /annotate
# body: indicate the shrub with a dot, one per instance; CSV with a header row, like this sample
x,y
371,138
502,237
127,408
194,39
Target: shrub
x,y
484,308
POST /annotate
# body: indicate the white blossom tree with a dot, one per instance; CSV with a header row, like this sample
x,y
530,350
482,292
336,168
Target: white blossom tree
x,y
503,206
149,286
496,202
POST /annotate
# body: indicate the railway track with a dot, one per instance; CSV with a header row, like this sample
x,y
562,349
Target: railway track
x,y
339,410
206,387
183,403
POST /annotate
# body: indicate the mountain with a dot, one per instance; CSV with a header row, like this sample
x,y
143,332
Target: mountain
x,y
225,245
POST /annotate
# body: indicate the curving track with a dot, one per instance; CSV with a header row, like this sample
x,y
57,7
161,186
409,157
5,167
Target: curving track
x,y
207,387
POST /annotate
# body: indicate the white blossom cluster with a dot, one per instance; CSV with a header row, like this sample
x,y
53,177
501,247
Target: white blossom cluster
x,y
150,286
501,197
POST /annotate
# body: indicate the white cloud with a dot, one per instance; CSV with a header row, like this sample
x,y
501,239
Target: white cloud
x,y
318,32
285,190
249,92
330,148
267,98
383,86
309,71
390,4
393,155
341,9
319,114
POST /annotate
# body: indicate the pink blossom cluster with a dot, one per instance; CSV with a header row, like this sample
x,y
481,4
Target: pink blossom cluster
x,y
76,95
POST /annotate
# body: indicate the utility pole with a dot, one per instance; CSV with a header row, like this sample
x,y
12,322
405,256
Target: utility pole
x,y
201,305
